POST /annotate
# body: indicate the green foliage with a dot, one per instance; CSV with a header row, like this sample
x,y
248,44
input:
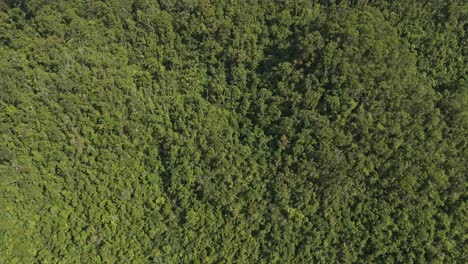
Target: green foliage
x,y
233,131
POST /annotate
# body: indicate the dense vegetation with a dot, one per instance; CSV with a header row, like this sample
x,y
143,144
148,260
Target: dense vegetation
x,y
139,131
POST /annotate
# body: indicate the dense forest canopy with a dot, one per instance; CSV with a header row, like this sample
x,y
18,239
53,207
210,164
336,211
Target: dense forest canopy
x,y
198,131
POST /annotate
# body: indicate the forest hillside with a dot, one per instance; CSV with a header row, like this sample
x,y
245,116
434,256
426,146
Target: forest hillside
x,y
198,131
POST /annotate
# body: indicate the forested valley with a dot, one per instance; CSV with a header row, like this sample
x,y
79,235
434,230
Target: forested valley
x,y
241,131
